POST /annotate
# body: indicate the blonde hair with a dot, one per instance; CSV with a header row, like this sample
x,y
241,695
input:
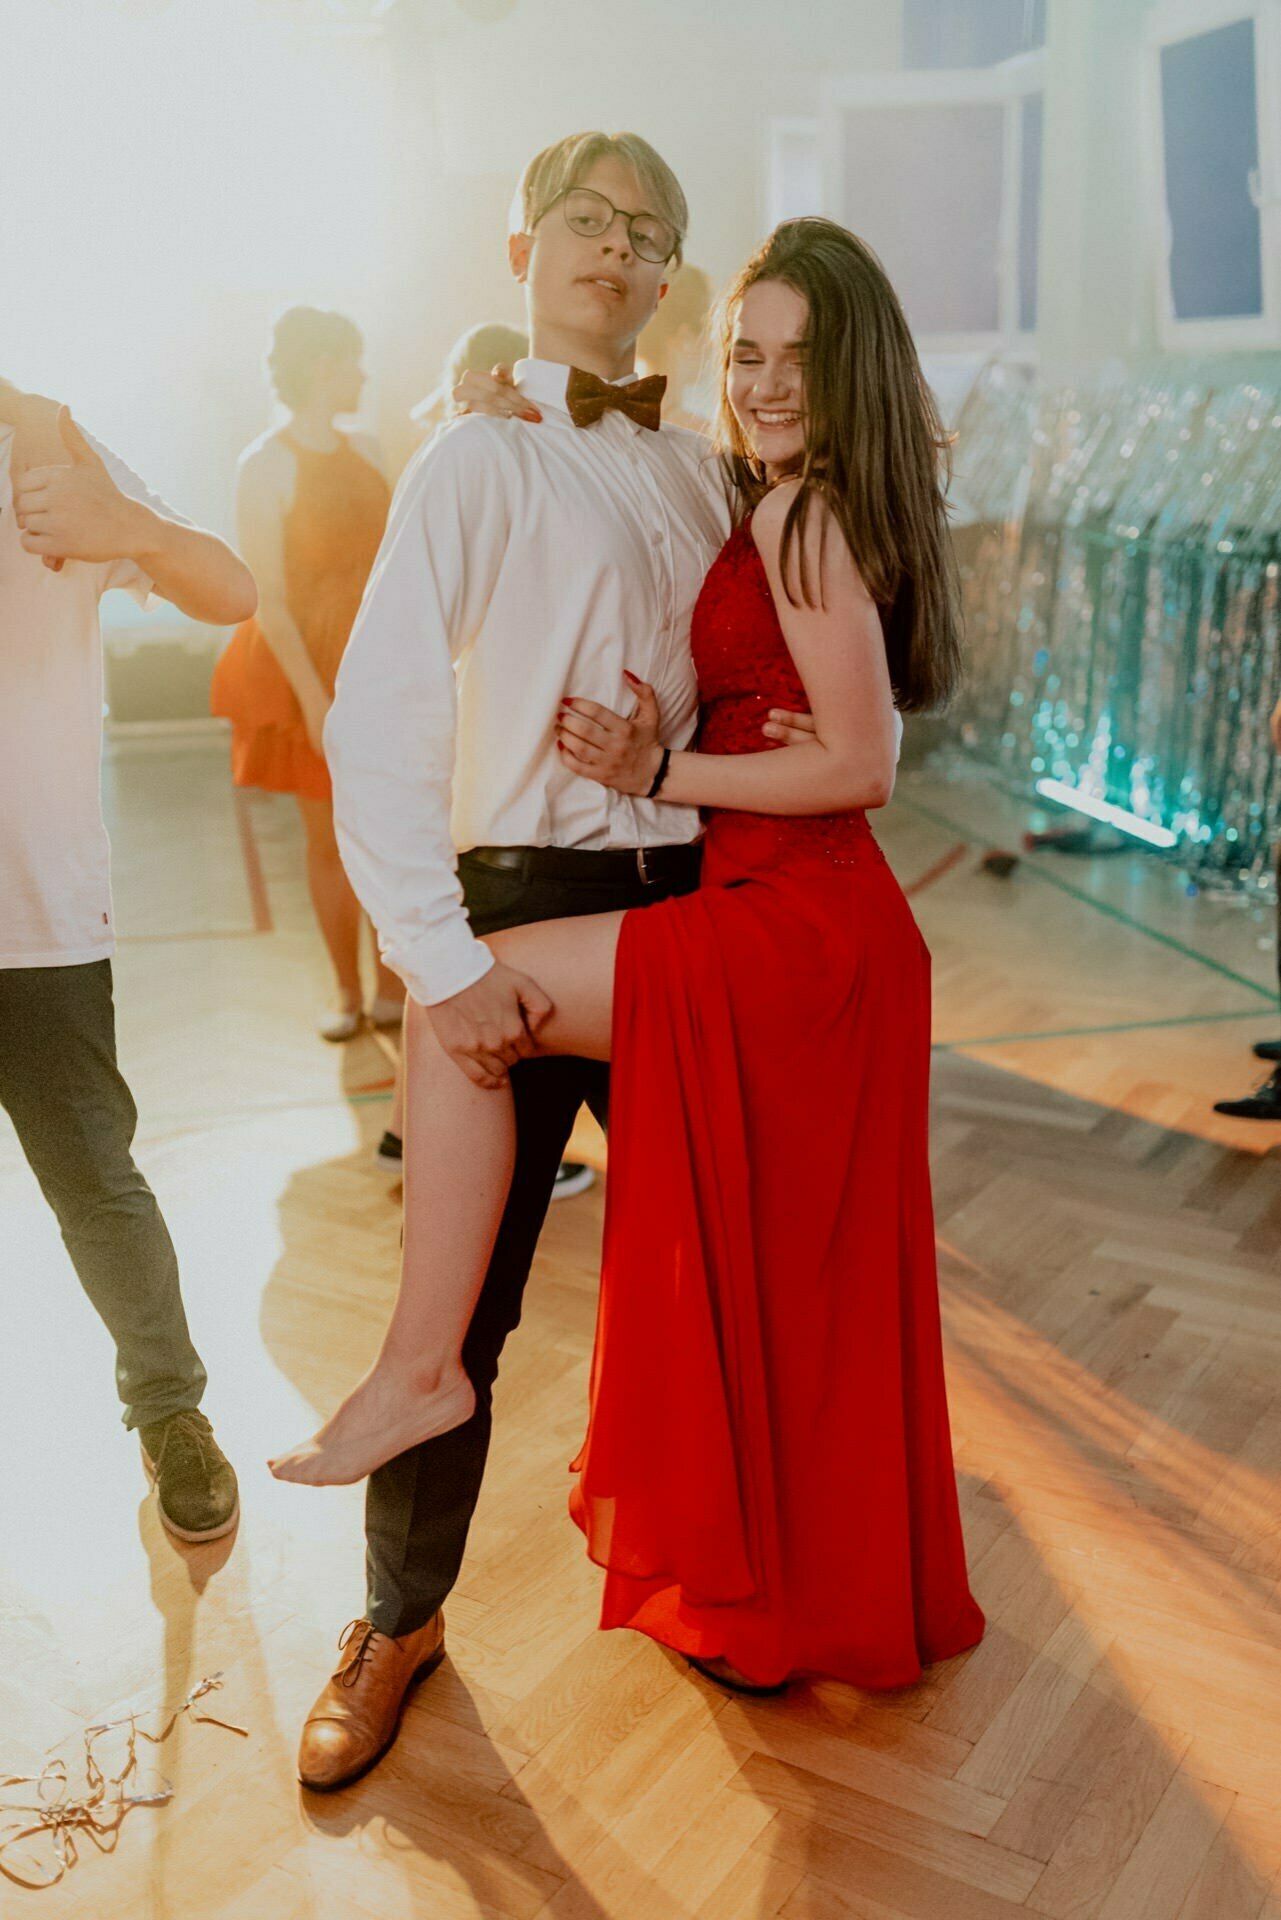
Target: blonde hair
x,y
560,168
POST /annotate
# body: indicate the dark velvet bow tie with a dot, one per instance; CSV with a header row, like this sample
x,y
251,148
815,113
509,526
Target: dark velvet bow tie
x,y
641,400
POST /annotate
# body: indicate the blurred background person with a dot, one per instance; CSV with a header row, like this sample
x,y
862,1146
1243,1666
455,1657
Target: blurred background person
x,y
479,350
311,505
676,343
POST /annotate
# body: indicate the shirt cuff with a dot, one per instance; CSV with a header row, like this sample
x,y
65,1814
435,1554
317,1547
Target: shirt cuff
x,y
456,959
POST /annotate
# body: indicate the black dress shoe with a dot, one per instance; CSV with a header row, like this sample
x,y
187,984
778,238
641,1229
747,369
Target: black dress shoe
x,y
1267,1050
390,1152
1265,1104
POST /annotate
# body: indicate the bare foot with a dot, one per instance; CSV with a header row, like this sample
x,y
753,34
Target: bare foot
x,y
381,1417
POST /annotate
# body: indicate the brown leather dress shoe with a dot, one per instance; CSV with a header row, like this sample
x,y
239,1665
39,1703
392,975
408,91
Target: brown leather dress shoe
x,y
357,1717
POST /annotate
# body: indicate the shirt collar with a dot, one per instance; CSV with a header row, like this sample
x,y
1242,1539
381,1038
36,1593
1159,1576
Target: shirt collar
x,y
544,382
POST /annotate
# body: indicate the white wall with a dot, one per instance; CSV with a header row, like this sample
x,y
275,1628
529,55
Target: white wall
x,y
210,164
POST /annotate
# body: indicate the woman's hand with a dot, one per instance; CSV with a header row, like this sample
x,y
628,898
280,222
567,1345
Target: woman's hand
x,y
494,393
625,754
791,729
601,745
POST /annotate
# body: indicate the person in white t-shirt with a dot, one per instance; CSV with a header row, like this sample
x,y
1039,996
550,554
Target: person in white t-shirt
x,y
74,522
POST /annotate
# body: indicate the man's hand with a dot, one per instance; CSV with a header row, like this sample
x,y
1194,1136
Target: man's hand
x,y
493,1023
493,393
75,512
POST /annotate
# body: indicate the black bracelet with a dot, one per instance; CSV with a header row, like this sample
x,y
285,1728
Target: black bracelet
x,y
657,782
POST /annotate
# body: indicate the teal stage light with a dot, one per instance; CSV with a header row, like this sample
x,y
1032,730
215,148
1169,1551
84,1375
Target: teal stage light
x,y
1103,810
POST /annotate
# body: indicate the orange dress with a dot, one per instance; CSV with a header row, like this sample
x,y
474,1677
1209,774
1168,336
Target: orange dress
x,y
331,536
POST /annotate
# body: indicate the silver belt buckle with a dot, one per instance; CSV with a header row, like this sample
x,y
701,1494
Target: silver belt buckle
x,y
642,867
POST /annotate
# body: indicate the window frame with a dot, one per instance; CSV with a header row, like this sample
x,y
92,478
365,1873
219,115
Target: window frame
x,y
1007,84
778,129
1169,24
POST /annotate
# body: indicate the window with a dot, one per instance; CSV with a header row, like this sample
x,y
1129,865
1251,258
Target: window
x,y
941,173
794,171
1214,80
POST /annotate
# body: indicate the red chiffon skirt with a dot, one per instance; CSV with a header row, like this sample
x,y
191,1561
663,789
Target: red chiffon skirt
x,y
767,1475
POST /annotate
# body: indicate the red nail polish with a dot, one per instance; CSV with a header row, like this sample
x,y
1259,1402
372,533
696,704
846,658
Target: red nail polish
x,y
630,676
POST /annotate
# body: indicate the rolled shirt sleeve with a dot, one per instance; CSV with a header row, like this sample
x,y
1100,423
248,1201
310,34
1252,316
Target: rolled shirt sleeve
x,y
391,733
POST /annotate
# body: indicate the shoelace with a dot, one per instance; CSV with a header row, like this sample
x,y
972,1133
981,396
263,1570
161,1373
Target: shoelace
x,y
185,1426
349,1673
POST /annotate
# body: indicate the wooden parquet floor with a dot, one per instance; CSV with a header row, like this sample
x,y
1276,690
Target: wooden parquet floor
x,y
1111,1264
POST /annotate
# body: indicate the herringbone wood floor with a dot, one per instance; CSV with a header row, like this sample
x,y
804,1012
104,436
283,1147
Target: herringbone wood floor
x,y
1110,1281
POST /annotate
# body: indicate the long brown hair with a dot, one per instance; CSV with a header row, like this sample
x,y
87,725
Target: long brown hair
x,y
875,449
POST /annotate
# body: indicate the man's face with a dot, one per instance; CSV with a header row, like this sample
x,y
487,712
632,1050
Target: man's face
x,y
593,286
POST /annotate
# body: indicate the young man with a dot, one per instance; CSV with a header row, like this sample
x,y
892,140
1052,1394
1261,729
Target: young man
x,y
518,566
75,521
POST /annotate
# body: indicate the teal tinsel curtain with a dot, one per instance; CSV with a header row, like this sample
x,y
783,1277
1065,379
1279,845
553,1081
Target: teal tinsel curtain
x,y
1120,566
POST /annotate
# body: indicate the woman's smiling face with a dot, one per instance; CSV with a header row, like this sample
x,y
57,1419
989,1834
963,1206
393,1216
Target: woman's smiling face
x,y
766,377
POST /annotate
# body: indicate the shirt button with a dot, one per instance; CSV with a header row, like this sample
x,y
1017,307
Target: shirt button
x,y
656,538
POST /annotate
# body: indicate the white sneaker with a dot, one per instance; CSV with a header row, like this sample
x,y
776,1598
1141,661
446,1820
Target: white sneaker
x,y
386,1013
571,1178
345,1024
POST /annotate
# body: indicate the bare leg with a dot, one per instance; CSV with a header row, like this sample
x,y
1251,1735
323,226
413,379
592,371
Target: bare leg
x,y
389,988
336,907
460,1143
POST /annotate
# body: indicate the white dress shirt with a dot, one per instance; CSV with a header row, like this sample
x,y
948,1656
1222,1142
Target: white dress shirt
x,y
520,563
55,861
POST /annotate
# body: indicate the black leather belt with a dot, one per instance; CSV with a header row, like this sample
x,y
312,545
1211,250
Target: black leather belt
x,y
652,866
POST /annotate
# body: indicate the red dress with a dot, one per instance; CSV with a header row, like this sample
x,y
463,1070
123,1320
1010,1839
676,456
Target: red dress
x,y
767,1475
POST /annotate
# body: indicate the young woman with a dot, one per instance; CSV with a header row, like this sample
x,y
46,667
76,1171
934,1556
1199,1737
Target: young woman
x,y
767,1476
311,504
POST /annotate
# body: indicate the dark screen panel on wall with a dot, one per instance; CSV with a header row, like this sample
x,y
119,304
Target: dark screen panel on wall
x,y
970,33
1211,137
923,186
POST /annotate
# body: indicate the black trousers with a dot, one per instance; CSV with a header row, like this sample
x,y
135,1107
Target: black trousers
x,y
419,1506
75,1118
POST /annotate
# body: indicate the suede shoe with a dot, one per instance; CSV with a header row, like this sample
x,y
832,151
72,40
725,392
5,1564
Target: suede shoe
x,y
357,1716
194,1480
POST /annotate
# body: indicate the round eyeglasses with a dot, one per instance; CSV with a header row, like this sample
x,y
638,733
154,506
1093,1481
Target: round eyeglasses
x,y
589,213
